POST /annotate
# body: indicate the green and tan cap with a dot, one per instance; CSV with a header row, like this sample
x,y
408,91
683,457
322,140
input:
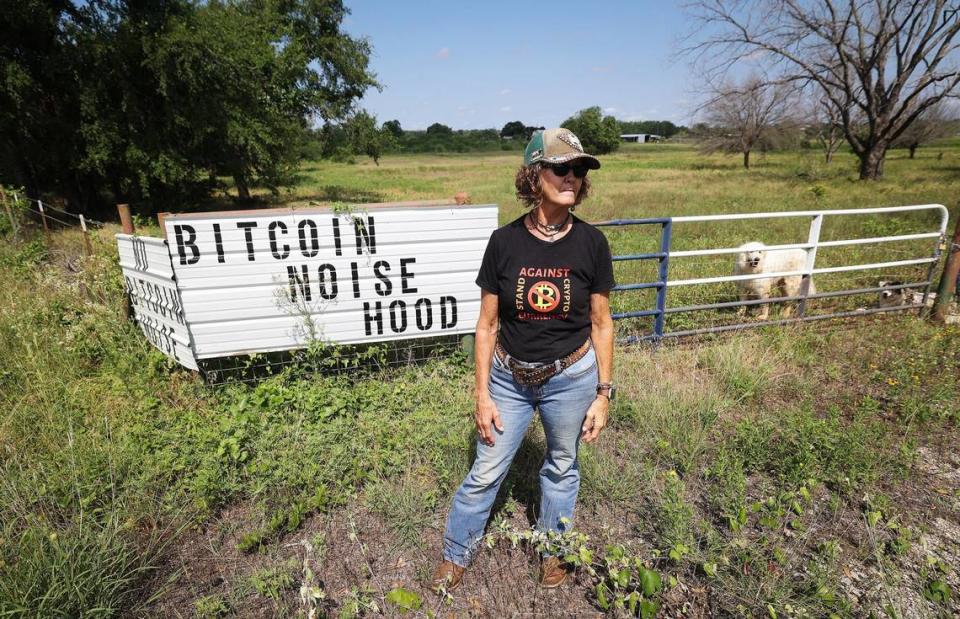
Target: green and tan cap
x,y
557,145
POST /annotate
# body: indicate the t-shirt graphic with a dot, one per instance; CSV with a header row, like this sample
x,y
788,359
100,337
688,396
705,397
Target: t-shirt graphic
x,y
543,293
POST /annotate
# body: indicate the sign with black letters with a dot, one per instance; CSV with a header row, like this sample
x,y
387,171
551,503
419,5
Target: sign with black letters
x,y
276,279
154,297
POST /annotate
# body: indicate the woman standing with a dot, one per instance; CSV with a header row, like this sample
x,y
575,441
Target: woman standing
x,y
544,341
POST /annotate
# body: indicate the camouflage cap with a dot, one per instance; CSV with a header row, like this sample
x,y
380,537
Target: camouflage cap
x,y
557,145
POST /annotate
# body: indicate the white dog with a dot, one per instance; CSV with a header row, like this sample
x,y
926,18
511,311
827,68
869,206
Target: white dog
x,y
756,258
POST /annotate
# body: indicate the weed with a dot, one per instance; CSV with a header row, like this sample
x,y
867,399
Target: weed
x,y
675,518
211,607
406,504
273,582
727,488
68,572
745,369
800,445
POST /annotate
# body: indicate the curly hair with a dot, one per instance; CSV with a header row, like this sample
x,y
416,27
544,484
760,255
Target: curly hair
x,y
529,192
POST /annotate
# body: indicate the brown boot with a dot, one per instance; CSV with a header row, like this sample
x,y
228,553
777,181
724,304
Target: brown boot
x,y
553,572
447,576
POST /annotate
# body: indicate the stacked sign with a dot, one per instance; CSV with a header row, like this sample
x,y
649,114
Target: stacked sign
x,y
154,296
258,281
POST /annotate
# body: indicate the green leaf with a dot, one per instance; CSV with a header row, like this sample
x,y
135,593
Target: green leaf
x,y
586,557
937,591
650,582
602,597
404,599
648,609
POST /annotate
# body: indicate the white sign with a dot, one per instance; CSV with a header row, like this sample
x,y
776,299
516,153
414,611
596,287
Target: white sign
x,y
266,280
158,309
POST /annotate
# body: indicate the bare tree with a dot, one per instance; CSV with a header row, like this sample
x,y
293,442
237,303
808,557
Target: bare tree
x,y
827,126
881,63
742,118
934,123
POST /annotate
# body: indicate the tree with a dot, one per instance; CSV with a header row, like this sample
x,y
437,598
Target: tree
x,y
933,124
163,98
513,129
663,128
39,104
393,128
826,125
881,64
599,134
746,117
364,137
439,129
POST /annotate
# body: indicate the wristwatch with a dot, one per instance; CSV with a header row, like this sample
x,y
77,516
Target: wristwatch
x,y
607,390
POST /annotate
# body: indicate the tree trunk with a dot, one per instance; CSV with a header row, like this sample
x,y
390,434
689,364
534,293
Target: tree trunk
x,y
243,189
913,149
871,162
746,159
828,155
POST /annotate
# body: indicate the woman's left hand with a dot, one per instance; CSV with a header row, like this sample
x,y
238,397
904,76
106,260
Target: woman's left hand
x,y
596,418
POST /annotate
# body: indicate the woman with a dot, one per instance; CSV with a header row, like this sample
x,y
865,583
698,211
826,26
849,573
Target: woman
x,y
544,341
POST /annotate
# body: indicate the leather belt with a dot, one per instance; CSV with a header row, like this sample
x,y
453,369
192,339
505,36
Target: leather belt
x,y
534,374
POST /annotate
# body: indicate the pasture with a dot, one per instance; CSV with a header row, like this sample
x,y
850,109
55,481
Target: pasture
x,y
800,471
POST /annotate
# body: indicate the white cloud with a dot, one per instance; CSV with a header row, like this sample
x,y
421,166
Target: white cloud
x,y
609,110
506,108
443,53
505,91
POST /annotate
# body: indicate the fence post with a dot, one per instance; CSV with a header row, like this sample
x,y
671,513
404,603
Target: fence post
x,y
813,238
948,281
126,221
87,247
43,218
13,222
162,222
663,268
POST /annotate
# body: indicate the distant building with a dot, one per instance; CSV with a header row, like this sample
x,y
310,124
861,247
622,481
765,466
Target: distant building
x,y
642,138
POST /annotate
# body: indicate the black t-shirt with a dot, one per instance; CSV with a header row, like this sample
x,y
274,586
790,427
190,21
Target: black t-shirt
x,y
544,287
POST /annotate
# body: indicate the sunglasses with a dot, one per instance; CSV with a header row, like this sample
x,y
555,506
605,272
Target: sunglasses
x,y
561,169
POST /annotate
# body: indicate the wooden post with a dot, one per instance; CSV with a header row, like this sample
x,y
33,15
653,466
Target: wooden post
x,y
87,247
161,221
43,218
126,221
468,343
13,221
948,281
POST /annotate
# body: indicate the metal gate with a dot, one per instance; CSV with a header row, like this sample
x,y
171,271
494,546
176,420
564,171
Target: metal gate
x,y
667,256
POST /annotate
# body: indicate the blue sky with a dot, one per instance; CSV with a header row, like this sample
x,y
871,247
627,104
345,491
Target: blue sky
x,y
481,64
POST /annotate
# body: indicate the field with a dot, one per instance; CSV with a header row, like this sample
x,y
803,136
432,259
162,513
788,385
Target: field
x,y
801,471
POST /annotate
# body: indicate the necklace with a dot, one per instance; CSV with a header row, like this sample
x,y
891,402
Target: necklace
x,y
549,230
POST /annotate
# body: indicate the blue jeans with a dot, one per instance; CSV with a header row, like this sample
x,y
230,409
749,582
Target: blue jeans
x,y
563,402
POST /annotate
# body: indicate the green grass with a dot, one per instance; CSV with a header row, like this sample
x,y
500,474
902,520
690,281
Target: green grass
x,y
753,451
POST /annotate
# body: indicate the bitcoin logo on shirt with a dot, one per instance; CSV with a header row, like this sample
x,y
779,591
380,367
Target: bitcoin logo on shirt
x,y
544,296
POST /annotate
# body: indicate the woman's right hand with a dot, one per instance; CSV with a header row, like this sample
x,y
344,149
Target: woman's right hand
x,y
486,416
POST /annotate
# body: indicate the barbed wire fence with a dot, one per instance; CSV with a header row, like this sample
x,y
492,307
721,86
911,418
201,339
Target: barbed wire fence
x,y
14,203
